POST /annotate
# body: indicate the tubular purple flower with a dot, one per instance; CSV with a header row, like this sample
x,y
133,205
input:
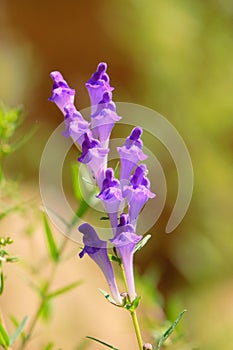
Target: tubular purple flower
x,y
97,251
76,126
131,153
62,94
95,157
111,197
137,193
125,242
98,84
104,118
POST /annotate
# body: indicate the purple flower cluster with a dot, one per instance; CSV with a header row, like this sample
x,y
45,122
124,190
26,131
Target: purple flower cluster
x,y
133,187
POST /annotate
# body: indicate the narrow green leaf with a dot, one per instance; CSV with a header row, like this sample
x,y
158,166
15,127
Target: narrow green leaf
x,y
1,282
46,310
64,289
75,183
12,259
114,258
104,218
141,243
79,213
4,338
53,250
16,323
133,306
24,139
49,346
169,331
107,296
18,330
102,342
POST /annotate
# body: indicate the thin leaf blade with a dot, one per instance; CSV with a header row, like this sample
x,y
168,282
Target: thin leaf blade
x,y
142,242
63,290
53,249
4,338
18,330
169,331
102,342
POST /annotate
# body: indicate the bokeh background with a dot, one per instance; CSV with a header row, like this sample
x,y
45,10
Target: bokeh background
x,y
174,56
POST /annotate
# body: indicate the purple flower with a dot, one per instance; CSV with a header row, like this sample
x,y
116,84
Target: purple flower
x,y
98,84
131,153
97,251
104,118
95,157
137,193
76,126
62,94
125,242
111,196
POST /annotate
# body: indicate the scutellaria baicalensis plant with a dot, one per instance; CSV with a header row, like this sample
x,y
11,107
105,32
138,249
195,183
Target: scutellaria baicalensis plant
x,y
132,187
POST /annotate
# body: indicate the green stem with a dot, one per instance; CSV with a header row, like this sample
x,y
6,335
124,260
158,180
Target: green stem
x,y
133,314
45,293
137,329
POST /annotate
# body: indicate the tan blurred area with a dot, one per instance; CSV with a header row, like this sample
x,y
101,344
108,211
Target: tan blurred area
x,y
175,57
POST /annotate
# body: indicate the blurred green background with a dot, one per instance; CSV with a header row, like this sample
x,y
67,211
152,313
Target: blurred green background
x,y
174,56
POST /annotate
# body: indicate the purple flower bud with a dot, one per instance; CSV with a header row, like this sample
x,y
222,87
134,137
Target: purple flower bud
x,y
95,157
111,196
97,251
62,94
125,242
76,126
137,193
131,153
98,84
104,118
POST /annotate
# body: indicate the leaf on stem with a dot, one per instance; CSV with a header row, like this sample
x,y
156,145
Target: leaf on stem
x,y
102,342
53,249
107,296
169,331
4,338
64,290
141,243
133,306
18,330
114,258
49,346
1,282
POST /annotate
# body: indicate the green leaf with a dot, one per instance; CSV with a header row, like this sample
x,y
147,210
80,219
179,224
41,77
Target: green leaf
x,y
1,282
169,331
18,330
133,306
4,338
141,243
75,183
49,346
12,259
64,289
114,258
102,342
79,213
107,296
53,250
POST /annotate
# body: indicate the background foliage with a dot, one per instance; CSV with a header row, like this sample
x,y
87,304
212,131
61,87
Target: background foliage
x,y
175,56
